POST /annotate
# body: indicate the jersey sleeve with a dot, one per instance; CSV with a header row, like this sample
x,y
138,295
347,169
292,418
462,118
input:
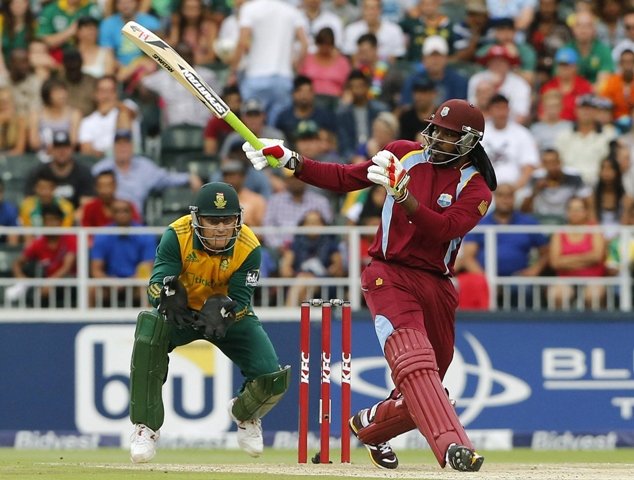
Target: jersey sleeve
x,y
244,280
335,177
167,262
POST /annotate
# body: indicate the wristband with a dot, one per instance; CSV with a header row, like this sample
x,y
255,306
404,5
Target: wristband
x,y
293,162
402,198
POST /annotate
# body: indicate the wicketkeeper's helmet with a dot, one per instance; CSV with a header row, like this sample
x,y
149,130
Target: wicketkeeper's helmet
x,y
216,199
459,116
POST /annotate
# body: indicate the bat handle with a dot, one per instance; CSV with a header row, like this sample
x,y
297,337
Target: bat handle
x,y
249,136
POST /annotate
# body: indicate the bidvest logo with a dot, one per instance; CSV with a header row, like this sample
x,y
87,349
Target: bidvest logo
x,y
492,388
195,396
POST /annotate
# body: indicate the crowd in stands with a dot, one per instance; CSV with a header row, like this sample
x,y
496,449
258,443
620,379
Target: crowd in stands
x,y
95,134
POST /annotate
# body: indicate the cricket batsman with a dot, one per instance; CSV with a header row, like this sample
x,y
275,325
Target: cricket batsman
x,y
437,192
207,265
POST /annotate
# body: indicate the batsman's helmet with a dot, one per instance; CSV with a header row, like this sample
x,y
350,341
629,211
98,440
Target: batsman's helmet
x,y
216,199
459,116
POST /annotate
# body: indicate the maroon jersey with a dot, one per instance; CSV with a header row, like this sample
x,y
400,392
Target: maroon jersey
x,y
451,202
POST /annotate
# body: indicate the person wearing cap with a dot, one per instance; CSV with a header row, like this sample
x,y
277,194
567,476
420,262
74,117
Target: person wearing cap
x,y
253,114
413,120
583,148
619,86
74,180
567,81
437,191
434,66
500,60
137,175
471,33
595,57
421,21
234,172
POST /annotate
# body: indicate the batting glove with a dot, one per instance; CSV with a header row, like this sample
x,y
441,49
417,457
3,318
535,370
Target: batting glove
x,y
273,147
389,172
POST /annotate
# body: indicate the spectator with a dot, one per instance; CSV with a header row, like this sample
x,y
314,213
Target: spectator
x,y
253,115
49,256
178,105
385,82
18,25
470,34
56,115
311,255
595,60
287,208
121,256
414,119
74,181
43,63
384,131
217,129
567,82
619,86
228,35
25,85
627,43
254,205
390,37
12,126
500,61
421,22
316,18
96,131
57,23
610,199
327,68
348,12
193,25
577,254
81,86
550,188
131,62
610,29
303,107
310,142
550,123
515,251
449,83
522,11
137,176
268,29
97,61
355,118
8,218
98,212
583,147
32,207
510,146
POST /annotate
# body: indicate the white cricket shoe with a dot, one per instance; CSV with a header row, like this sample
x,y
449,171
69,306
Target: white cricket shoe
x,y
249,434
143,444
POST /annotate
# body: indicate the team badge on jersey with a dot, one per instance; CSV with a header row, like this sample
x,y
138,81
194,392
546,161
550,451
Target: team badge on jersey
x,y
444,200
224,264
483,207
253,277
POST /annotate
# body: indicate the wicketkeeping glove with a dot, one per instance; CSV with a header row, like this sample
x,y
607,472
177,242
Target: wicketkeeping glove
x,y
272,147
389,172
217,314
173,303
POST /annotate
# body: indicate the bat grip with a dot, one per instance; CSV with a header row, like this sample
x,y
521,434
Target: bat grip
x,y
249,136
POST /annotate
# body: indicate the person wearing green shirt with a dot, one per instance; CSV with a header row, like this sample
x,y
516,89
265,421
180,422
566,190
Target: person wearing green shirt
x,y
57,24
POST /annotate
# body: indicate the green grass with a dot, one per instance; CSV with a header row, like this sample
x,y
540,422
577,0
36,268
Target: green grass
x,y
113,464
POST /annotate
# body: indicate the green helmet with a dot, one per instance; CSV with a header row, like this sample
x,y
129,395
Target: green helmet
x,y
216,199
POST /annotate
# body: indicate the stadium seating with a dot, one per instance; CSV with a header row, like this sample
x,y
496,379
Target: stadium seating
x,y
178,141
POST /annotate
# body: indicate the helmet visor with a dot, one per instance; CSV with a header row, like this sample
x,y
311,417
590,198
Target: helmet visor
x,y
446,146
217,233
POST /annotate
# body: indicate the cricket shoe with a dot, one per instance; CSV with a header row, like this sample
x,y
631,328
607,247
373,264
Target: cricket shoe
x,y
463,459
249,434
143,444
381,455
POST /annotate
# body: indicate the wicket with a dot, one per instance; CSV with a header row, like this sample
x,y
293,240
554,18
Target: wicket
x,y
324,403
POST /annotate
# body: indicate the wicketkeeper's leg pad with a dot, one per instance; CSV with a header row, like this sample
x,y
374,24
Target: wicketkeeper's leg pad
x,y
148,370
261,394
415,373
388,419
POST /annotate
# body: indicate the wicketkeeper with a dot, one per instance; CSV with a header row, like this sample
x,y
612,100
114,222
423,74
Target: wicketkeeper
x,y
207,265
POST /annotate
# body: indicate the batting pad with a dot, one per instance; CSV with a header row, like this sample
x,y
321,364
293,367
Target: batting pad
x,y
415,373
391,418
148,370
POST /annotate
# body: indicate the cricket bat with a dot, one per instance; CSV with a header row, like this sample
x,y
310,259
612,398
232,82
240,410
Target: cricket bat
x,y
167,58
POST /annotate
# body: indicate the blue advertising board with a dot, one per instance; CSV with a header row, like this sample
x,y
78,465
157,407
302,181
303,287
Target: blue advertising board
x,y
552,383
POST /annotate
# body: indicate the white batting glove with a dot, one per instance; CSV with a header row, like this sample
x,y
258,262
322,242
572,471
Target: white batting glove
x,y
272,147
389,172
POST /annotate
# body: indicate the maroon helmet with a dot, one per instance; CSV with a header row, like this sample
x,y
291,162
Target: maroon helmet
x,y
459,116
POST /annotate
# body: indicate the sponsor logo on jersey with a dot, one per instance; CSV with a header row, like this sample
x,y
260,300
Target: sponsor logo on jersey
x,y
253,277
192,257
444,200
